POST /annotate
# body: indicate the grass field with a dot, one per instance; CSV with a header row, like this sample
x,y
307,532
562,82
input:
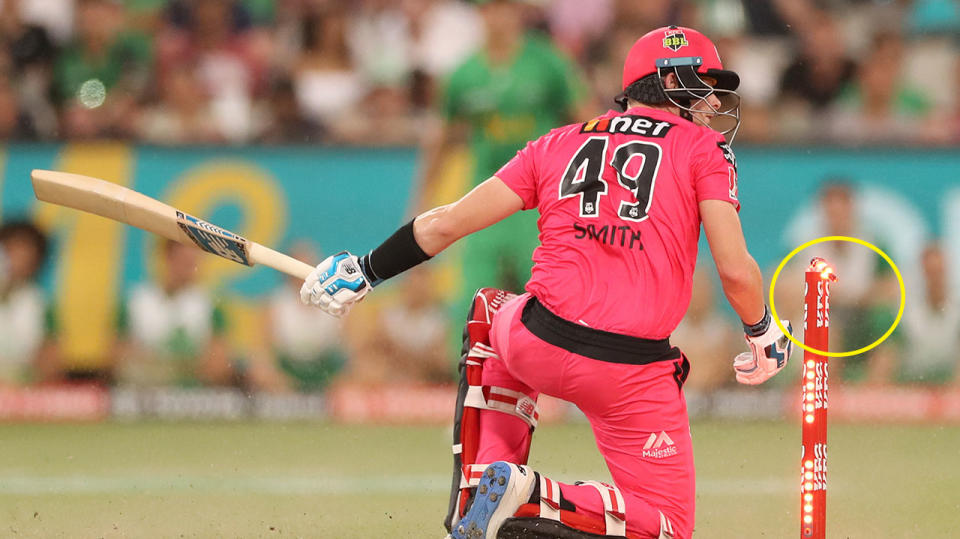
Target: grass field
x,y
333,481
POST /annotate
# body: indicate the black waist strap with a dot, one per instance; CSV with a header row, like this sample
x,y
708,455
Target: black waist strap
x,y
593,343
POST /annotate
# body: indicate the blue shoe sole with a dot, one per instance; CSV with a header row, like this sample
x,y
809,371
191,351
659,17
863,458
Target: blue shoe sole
x,y
487,498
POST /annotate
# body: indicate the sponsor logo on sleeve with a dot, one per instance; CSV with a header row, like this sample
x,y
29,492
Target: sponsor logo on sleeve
x,y
731,170
728,153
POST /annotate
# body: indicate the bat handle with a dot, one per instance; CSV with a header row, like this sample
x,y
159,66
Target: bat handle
x,y
279,261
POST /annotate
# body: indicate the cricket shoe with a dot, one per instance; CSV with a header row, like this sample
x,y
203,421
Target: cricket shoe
x,y
503,488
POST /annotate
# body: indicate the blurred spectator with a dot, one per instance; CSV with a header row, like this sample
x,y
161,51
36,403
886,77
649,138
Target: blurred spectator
x,y
28,351
841,218
575,24
647,15
183,115
261,12
837,214
387,118
815,77
411,347
402,52
100,77
146,15
516,88
443,33
326,83
12,124
26,60
211,38
874,317
604,61
380,41
754,59
865,300
171,332
848,302
881,106
304,347
389,40
932,325
754,56
764,18
56,17
285,124
708,338
285,35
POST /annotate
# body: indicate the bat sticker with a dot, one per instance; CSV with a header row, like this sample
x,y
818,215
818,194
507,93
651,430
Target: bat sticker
x,y
214,239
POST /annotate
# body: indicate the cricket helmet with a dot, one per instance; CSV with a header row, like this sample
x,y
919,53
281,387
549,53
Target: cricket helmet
x,y
693,58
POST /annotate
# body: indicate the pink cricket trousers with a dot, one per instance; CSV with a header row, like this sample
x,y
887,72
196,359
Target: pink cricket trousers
x,y
637,412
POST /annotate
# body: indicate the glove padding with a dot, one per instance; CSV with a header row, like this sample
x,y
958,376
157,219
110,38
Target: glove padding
x,y
769,353
335,285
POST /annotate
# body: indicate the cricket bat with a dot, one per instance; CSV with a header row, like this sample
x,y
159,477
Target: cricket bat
x,y
119,203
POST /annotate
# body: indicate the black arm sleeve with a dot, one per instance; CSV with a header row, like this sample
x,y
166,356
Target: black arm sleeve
x,y
394,256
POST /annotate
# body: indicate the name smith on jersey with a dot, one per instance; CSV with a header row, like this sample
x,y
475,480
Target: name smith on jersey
x,y
612,235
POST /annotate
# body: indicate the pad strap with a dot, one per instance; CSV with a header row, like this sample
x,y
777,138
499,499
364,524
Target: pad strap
x,y
503,400
613,507
549,498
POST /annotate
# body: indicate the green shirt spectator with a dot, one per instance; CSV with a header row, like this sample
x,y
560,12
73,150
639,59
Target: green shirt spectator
x,y
516,88
172,331
166,335
125,60
505,105
28,326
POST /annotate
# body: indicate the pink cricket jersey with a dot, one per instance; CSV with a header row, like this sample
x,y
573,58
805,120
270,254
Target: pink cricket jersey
x,y
619,216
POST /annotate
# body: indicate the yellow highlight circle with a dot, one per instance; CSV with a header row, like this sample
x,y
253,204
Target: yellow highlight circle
x,y
874,344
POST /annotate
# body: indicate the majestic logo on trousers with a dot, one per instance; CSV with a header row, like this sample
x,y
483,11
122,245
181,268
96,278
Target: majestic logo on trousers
x,y
659,446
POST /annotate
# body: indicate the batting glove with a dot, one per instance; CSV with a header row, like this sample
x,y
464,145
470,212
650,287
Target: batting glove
x,y
769,351
335,285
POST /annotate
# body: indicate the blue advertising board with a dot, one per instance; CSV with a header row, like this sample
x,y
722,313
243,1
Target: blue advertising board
x,y
352,198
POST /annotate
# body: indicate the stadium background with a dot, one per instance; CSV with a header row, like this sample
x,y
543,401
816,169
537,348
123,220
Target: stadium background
x,y
286,138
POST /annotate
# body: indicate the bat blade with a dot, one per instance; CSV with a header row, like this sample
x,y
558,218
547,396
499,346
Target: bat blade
x,y
96,196
214,239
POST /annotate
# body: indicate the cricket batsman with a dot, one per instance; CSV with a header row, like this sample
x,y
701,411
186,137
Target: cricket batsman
x,y
621,199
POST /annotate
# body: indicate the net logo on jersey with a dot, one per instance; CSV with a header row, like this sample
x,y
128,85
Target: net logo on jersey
x,y
214,239
674,39
628,124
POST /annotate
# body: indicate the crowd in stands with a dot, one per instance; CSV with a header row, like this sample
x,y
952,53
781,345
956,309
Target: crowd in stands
x,y
373,72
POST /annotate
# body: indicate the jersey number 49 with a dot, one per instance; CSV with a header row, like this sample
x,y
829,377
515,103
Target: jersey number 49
x,y
583,176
